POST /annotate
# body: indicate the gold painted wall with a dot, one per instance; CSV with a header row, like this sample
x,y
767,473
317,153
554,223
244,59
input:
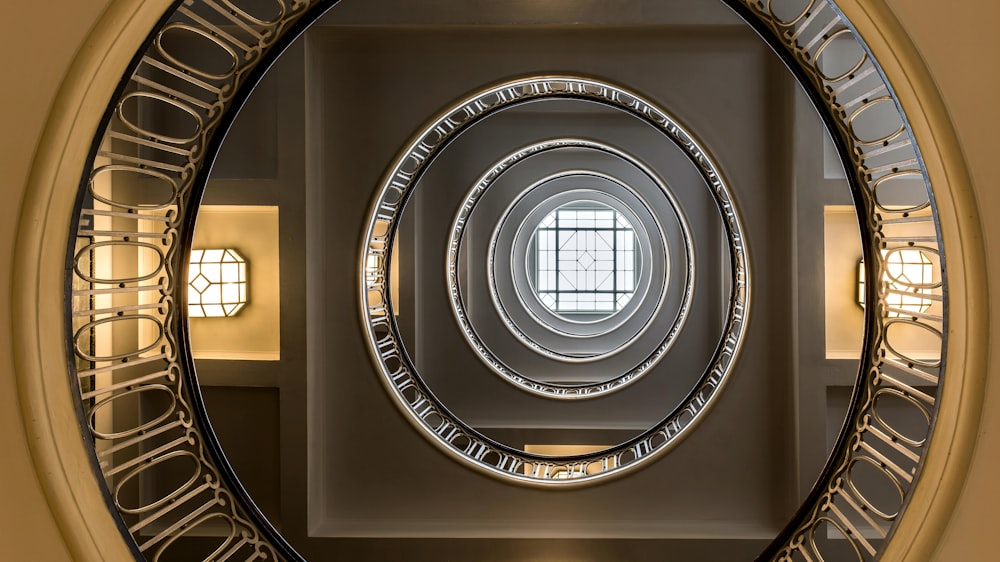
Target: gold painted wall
x,y
40,40
962,50
39,43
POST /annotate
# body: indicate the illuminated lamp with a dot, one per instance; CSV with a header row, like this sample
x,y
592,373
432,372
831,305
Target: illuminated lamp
x,y
908,274
217,283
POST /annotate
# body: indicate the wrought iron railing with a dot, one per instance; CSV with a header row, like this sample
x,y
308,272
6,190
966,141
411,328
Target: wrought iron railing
x,y
126,285
876,161
142,404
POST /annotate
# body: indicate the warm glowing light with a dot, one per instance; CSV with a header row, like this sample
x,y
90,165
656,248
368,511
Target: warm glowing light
x,y
567,472
217,283
908,277
374,264
371,268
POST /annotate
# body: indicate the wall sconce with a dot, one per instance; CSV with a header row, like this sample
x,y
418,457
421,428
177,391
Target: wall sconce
x,y
217,283
907,274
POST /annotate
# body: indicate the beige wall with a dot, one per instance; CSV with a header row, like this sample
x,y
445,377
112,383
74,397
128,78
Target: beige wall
x,y
39,43
963,54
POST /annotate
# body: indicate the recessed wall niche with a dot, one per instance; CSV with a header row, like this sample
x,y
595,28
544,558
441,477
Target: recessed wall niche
x,y
844,318
252,334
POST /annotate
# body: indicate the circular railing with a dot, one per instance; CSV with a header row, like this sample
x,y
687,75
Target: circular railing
x,y
892,196
409,389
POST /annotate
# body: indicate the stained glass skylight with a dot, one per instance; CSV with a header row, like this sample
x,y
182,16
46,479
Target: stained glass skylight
x,y
584,259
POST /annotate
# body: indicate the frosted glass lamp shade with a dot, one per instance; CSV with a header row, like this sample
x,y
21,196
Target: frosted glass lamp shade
x,y
908,276
217,283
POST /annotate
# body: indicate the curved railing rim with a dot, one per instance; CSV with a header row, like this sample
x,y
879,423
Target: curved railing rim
x,y
868,250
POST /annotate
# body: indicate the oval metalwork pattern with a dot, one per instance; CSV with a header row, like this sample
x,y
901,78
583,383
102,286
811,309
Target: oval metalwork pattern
x,y
85,255
798,34
167,156
152,467
208,38
180,110
167,413
135,319
162,201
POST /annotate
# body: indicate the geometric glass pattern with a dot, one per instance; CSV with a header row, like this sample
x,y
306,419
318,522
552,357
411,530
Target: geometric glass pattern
x,y
585,259
217,283
908,276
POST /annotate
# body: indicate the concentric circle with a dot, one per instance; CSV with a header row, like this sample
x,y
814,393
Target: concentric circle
x,y
399,374
543,330
580,254
593,247
582,360
798,37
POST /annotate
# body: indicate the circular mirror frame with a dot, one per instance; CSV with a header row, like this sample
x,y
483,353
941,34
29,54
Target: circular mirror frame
x,y
784,36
